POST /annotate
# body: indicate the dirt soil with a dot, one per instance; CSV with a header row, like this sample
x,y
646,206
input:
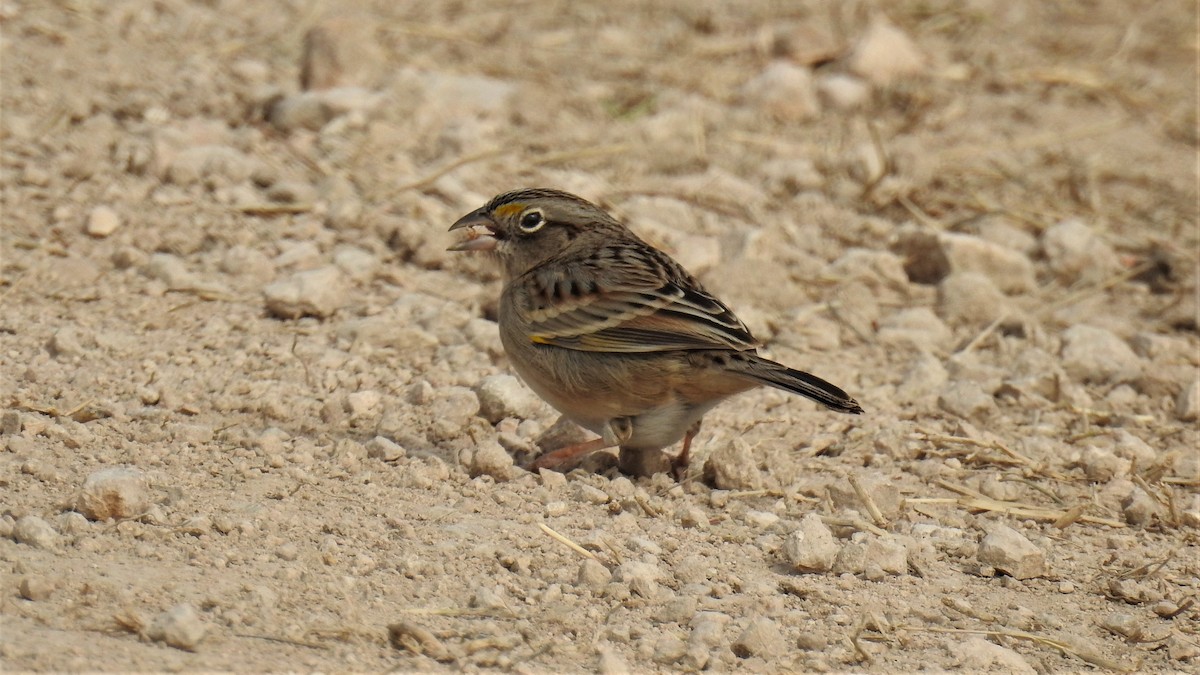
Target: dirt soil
x,y
253,415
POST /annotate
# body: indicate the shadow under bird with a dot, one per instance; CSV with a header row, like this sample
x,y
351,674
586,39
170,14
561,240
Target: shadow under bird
x,y
614,333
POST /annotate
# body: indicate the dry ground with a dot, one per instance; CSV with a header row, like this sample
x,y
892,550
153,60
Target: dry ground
x,y
934,230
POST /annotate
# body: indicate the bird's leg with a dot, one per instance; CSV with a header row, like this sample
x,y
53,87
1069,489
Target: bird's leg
x,y
679,465
619,430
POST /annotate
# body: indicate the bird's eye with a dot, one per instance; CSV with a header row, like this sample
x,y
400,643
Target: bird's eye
x,y
532,221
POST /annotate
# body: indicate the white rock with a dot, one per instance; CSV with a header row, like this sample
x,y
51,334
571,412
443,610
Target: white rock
x,y
967,400
889,553
708,631
761,638
465,95
924,376
69,341
247,262
593,575
784,91
502,396
340,51
885,53
362,402
732,467
641,577
1011,271
971,298
1075,253
610,662
1095,355
319,293
1101,465
220,163
312,110
1139,508
916,327
978,655
358,264
1010,552
811,548
385,449
36,588
102,221
844,92
1187,404
490,458
35,532
170,270
179,627
118,493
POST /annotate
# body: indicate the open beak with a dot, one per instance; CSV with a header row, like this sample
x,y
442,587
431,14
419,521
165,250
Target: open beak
x,y
476,240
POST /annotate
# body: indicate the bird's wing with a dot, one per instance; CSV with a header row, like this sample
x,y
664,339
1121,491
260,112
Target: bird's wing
x,y
625,300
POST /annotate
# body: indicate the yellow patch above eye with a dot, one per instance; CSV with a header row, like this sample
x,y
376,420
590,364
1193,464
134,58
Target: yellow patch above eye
x,y
509,210
538,340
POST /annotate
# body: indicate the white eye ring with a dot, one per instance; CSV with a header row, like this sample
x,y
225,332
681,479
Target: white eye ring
x,y
532,221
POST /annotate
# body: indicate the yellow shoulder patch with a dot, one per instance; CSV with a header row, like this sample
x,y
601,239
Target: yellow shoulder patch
x,y
539,340
509,210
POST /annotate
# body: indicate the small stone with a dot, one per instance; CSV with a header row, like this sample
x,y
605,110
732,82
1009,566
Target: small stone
x,y
732,467
312,110
1101,465
890,554
502,396
610,662
916,327
708,630
358,264
1075,253
491,459
761,638
362,402
1095,355
102,221
885,54
1180,648
67,342
341,51
784,91
418,640
1165,609
552,479
844,92
1139,508
642,578
967,400
557,508
1010,552
35,532
979,655
883,492
851,559
1011,271
811,548
972,299
760,520
692,516
179,627
489,597
319,293
592,495
117,493
1125,625
668,651
210,163
1066,587
812,642
35,588
593,575
1187,404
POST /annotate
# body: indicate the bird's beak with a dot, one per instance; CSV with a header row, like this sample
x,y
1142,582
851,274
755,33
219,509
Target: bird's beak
x,y
476,240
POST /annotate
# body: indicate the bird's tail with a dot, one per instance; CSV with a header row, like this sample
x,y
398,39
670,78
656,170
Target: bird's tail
x,y
780,376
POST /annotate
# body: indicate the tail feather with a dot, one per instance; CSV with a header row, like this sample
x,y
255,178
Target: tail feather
x,y
799,382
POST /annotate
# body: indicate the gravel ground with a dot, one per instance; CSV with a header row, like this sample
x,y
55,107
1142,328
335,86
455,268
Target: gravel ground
x,y
254,417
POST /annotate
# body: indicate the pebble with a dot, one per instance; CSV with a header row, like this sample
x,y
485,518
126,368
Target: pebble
x,y
341,51
692,516
851,559
1075,253
1187,404
102,221
917,327
761,638
707,631
179,627
67,342
610,662
36,588
592,495
247,262
385,449
464,95
669,650
1125,625
888,553
885,54
1010,270
312,110
970,298
976,654
784,91
319,292
592,575
967,400
491,459
116,493
1180,648
641,577
924,376
502,396
1101,465
883,492
811,548
842,91
35,532
1010,552
731,466
1097,356
418,640
760,520
1139,508
211,163
358,264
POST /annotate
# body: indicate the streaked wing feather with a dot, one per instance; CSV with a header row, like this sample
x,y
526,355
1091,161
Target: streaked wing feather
x,y
635,312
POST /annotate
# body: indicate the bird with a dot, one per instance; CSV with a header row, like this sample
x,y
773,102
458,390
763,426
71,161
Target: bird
x,y
614,333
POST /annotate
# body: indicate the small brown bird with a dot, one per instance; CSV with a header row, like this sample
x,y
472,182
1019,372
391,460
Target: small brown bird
x,y
613,333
